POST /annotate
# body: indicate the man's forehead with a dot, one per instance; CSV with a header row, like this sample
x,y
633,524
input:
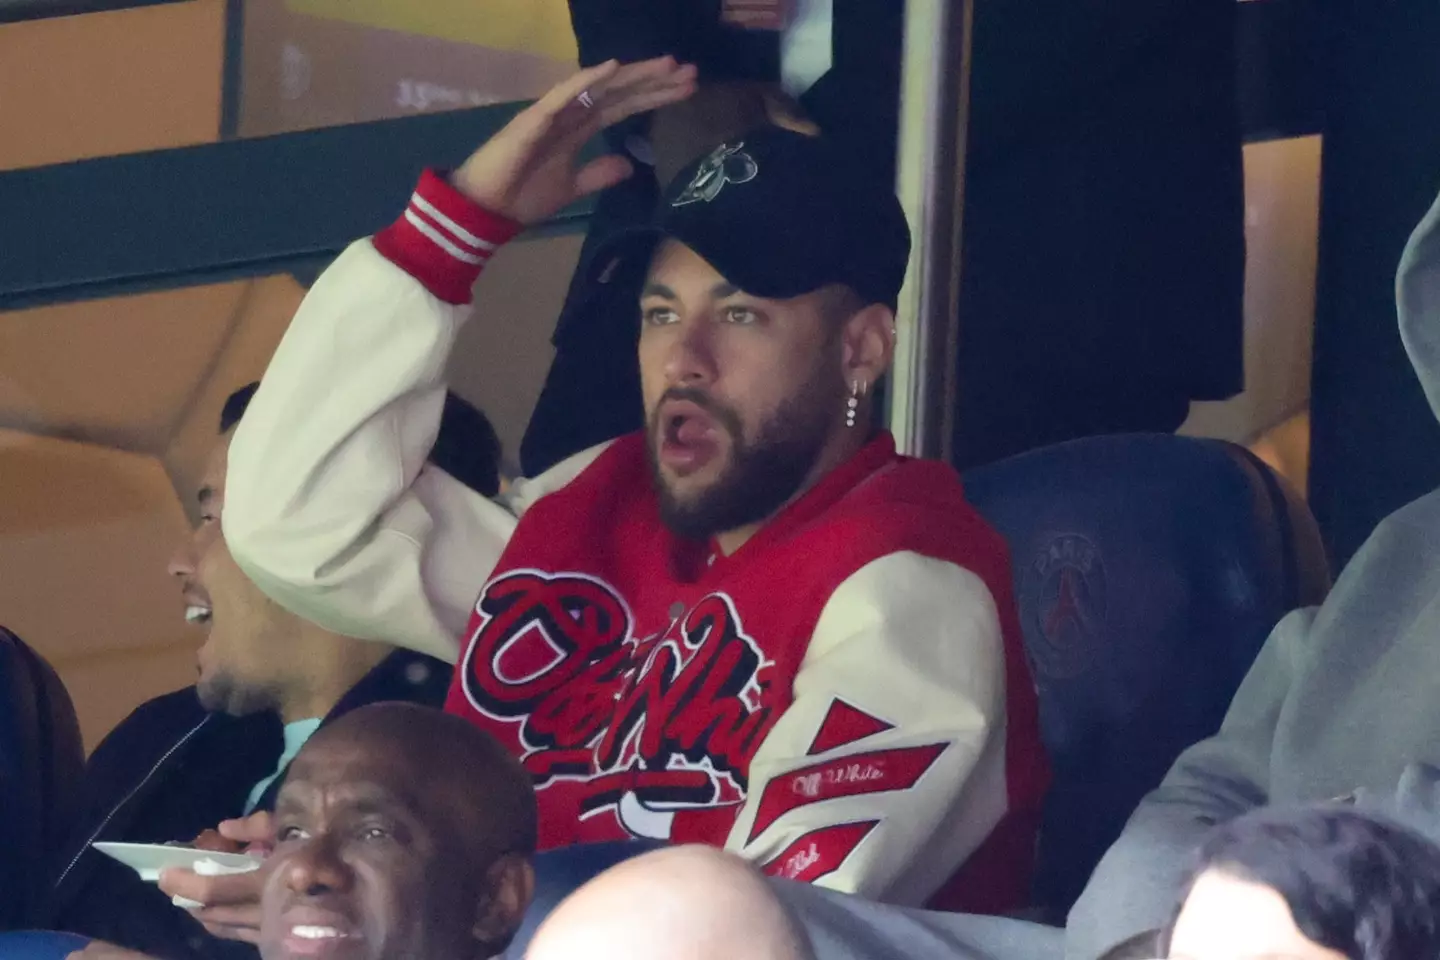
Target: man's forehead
x,y
347,784
328,756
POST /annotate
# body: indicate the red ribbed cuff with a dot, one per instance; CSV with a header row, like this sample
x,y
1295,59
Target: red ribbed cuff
x,y
444,239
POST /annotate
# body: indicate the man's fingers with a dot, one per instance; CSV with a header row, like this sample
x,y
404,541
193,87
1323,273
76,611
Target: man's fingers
x,y
566,92
179,882
256,828
602,174
631,77
224,932
239,917
631,89
643,101
611,110
211,840
526,172
100,950
620,96
237,888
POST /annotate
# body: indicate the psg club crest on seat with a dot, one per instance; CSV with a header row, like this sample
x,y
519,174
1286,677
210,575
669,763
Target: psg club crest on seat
x,y
1063,601
727,163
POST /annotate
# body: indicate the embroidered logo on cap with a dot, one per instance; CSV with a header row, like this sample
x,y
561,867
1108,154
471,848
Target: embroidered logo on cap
x,y
726,164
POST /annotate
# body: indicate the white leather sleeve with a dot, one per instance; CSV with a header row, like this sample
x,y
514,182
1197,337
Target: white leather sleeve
x,y
329,504
888,769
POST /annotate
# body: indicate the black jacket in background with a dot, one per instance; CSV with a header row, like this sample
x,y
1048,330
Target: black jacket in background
x,y
1104,237
1104,246
169,771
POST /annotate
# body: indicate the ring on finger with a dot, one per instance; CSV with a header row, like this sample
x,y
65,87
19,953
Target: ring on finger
x,y
585,99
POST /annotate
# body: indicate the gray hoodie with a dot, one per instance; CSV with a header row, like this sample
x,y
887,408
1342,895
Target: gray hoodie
x,y
1341,702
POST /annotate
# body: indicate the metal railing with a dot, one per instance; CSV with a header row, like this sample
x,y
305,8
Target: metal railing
x,y
930,181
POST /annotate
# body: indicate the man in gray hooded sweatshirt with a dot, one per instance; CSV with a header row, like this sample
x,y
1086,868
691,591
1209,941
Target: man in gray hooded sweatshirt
x,y
1339,705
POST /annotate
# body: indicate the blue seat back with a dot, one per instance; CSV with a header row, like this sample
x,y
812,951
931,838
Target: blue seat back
x,y
1149,570
42,760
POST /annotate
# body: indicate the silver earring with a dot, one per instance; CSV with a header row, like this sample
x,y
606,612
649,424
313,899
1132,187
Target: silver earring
x,y
853,404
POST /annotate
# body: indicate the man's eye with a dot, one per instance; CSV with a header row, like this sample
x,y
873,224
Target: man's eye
x,y
291,833
741,315
659,316
374,833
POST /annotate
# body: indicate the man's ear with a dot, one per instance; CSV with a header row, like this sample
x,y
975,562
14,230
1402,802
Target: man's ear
x,y
869,344
509,887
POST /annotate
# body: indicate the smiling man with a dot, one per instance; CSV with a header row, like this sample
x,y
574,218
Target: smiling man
x,y
267,680
402,832
751,624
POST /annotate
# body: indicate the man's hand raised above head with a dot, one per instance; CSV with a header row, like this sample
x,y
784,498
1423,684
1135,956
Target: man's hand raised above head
x,y
528,171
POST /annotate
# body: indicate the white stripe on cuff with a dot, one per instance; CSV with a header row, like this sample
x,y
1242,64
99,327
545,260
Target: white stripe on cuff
x,y
459,232
442,241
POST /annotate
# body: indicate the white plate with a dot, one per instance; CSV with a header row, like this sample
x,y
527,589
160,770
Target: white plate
x,y
148,859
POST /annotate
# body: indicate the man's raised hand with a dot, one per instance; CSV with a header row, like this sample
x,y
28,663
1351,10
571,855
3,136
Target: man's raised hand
x,y
529,170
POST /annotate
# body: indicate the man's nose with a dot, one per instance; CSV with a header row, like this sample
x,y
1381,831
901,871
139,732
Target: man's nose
x,y
183,561
317,868
691,358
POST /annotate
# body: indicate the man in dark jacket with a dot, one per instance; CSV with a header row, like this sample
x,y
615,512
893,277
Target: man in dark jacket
x,y
1104,251
184,762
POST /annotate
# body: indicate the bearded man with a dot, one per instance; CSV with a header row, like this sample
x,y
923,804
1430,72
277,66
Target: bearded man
x,y
751,624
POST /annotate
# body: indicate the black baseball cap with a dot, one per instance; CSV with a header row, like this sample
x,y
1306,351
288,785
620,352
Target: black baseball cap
x,y
779,214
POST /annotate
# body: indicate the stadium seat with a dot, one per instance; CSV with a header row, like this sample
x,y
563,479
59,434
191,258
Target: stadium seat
x,y
1149,569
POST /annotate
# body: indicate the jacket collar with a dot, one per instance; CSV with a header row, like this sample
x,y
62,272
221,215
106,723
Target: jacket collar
x,y
404,676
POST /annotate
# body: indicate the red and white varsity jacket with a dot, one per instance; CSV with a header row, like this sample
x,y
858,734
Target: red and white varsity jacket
x,y
843,700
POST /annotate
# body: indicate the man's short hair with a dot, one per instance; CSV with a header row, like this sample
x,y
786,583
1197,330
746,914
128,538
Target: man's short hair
x,y
1360,886
467,447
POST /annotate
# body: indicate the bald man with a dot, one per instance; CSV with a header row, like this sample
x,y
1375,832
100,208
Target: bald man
x,y
699,903
646,909
401,833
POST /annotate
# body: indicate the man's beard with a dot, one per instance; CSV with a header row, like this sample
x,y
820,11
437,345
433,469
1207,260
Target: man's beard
x,y
222,693
762,476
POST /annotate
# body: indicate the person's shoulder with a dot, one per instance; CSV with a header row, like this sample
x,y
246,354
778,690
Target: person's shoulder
x,y
615,465
406,676
1420,516
916,505
1397,562
1401,545
139,741
908,532
163,722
